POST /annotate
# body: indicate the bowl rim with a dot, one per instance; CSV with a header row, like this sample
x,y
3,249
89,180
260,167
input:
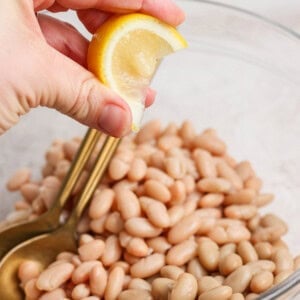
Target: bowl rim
x,y
250,13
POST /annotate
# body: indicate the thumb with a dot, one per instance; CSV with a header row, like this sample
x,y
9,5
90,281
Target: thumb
x,y
77,93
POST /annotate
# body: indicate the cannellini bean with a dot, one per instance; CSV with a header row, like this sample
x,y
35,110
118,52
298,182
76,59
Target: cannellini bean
x,y
114,283
159,175
214,185
167,142
246,251
239,279
20,177
91,250
231,234
148,132
264,250
171,272
118,168
157,214
80,291
282,276
297,262
244,169
157,159
128,203
263,199
114,223
205,163
261,265
207,224
139,284
65,256
184,288
120,263
148,266
186,227
210,143
98,280
195,268
211,200
261,281
181,253
28,270
227,249
130,259
141,227
112,251
137,247
84,239
159,244
230,263
31,290
218,293
208,254
175,167
58,294
176,213
81,273
101,203
191,203
245,196
254,183
135,294
51,279
237,296
207,283
189,183
178,192
29,191
243,211
157,190
161,288
229,160
251,296
98,225
21,204
137,170
227,172
124,238
283,261
187,133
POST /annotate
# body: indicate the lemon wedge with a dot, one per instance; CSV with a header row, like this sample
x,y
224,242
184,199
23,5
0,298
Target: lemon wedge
x,y
125,52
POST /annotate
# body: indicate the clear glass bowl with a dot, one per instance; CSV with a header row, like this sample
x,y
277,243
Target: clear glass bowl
x,y
240,75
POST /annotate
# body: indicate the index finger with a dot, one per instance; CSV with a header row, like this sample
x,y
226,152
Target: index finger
x,y
165,10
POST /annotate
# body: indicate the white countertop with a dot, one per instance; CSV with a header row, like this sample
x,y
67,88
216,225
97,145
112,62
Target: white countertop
x,y
20,144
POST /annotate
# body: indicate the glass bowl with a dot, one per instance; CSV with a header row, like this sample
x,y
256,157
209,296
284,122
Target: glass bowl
x,y
239,75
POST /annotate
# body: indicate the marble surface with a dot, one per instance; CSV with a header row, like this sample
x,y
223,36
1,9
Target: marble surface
x,y
278,164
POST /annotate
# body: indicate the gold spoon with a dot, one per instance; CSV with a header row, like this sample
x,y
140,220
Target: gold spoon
x,y
44,248
17,233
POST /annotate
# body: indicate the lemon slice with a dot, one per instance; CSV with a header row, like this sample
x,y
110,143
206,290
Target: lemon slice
x,y
125,52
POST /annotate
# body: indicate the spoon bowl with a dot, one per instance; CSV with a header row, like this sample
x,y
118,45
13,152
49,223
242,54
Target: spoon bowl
x,y
42,249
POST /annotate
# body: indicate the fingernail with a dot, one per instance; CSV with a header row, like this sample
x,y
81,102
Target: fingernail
x,y
113,120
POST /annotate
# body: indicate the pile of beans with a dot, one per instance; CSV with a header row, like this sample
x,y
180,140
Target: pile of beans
x,y
175,218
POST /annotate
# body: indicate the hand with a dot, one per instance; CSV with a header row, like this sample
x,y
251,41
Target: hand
x,y
43,60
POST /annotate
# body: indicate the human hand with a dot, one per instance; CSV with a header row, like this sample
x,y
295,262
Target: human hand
x,y
43,60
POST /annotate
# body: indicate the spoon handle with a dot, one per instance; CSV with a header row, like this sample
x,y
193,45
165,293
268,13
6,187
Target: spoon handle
x,y
83,154
102,160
